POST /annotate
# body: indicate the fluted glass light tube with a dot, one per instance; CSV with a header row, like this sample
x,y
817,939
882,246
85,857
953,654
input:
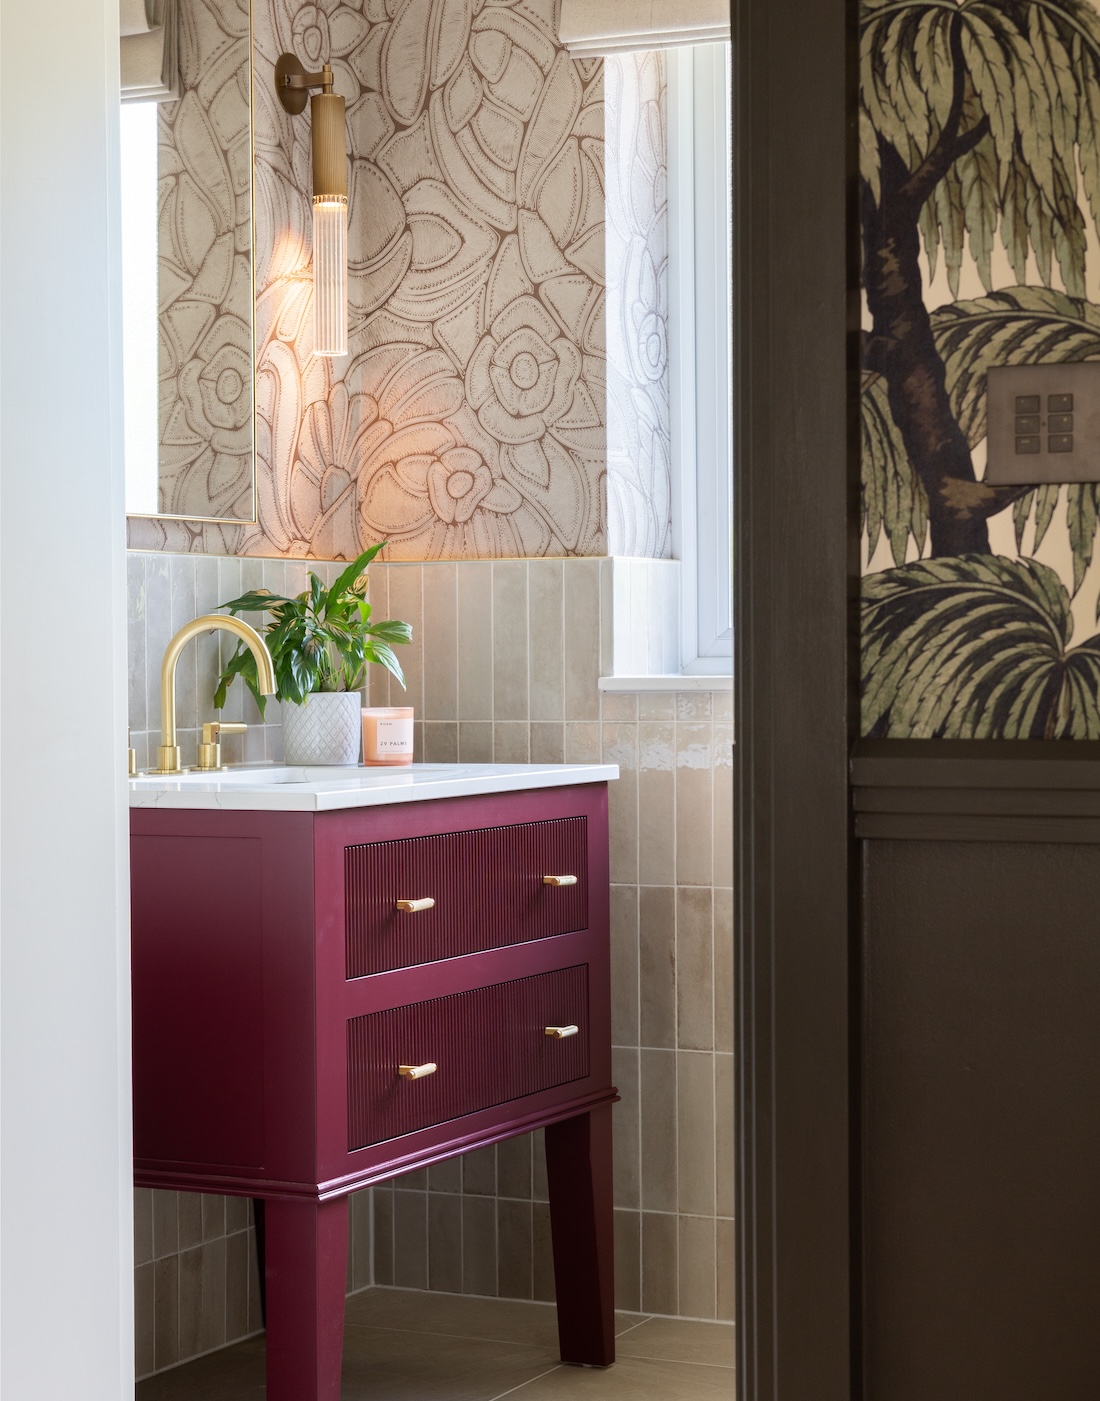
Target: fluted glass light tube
x,y
330,275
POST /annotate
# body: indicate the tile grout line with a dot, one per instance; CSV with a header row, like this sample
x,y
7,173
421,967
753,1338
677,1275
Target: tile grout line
x,y
558,1367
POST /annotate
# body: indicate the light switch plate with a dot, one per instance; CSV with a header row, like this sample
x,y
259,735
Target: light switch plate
x,y
1043,423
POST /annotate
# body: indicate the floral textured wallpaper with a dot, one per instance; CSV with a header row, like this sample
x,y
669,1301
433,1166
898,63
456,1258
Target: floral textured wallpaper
x,y
204,244
469,419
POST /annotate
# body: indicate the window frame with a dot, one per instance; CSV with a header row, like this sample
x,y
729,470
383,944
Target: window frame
x,y
700,350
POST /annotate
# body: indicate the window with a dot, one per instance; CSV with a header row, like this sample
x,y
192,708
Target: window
x,y
700,347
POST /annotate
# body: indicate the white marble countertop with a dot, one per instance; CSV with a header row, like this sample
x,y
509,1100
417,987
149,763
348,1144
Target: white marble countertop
x,y
272,788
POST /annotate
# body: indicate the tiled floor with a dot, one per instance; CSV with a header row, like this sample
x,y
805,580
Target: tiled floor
x,y
404,1345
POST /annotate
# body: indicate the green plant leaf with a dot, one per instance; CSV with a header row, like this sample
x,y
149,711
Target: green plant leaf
x,y
351,574
975,647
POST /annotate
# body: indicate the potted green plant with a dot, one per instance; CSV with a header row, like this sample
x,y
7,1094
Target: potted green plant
x,y
321,643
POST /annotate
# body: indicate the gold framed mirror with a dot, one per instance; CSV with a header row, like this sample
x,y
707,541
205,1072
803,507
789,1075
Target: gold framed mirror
x,y
189,271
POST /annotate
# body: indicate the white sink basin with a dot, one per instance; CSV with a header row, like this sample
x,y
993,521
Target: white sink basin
x,y
271,787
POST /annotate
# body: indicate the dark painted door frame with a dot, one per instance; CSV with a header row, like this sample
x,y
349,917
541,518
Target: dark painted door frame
x,y
796,569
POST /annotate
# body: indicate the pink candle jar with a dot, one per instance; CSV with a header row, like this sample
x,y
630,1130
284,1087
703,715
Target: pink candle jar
x,y
387,734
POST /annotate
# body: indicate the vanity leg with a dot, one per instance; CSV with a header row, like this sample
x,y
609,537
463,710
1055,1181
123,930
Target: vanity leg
x,y
578,1169
307,1258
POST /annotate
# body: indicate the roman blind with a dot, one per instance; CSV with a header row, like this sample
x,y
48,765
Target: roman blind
x,y
149,56
591,28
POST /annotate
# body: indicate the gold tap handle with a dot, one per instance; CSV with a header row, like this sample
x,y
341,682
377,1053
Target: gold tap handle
x,y
412,907
417,1072
559,880
561,1032
210,746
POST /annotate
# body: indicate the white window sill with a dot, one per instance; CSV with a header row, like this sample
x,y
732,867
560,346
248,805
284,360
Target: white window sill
x,y
678,681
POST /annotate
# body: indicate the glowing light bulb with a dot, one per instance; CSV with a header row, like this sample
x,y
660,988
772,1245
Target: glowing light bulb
x,y
330,275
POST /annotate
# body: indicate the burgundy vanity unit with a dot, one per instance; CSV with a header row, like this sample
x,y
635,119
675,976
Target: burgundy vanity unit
x,y
328,998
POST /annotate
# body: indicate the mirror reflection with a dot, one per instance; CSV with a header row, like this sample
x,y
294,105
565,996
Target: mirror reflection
x,y
187,249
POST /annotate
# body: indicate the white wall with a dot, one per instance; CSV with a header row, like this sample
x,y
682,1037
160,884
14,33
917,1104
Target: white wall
x,y
65,1291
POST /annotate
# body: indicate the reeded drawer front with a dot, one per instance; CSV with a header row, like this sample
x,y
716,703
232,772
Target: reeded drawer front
x,y
488,1045
487,887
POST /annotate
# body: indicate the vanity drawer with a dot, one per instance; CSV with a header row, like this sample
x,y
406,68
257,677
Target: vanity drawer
x,y
487,886
489,1045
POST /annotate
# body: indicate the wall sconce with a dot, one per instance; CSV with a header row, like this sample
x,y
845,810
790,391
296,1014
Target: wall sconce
x,y
330,198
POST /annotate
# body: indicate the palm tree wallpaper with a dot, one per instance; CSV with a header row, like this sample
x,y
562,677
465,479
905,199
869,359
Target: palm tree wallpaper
x,y
980,218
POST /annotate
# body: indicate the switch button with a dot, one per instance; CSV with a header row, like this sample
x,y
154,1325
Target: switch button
x,y
1060,442
1028,445
1029,423
1059,403
1028,403
1058,423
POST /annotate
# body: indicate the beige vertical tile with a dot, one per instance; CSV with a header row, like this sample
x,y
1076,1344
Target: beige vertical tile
x,y
445,1176
542,1263
166,1234
624,965
656,705
445,1242
440,742
349,1264
510,644
475,742
474,579
143,1225
511,742
723,805
410,1240
694,805
660,1263
415,1181
657,958
181,571
236,1286
695,1131
726,1268
213,1216
514,1167
619,707
723,707
137,699
514,1250
440,642
628,1261
657,803
143,1320
406,603
546,639
166,1342
540,1192
383,1235
582,639
620,747
547,744
723,1135
362,1239
658,1130
694,705
479,1246
190,1216
607,617
238,1213
479,1172
695,968
158,628
723,969
582,743
625,1123
212,1334
697,1267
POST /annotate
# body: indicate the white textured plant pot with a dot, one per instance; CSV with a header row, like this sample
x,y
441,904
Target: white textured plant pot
x,y
327,729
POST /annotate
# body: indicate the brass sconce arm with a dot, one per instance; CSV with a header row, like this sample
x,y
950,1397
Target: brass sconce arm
x,y
293,83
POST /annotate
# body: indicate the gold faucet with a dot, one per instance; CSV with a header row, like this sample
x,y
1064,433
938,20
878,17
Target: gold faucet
x,y
169,754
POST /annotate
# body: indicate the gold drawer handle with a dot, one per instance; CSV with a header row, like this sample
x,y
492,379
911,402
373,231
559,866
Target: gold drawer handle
x,y
561,1032
559,880
417,1072
412,907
